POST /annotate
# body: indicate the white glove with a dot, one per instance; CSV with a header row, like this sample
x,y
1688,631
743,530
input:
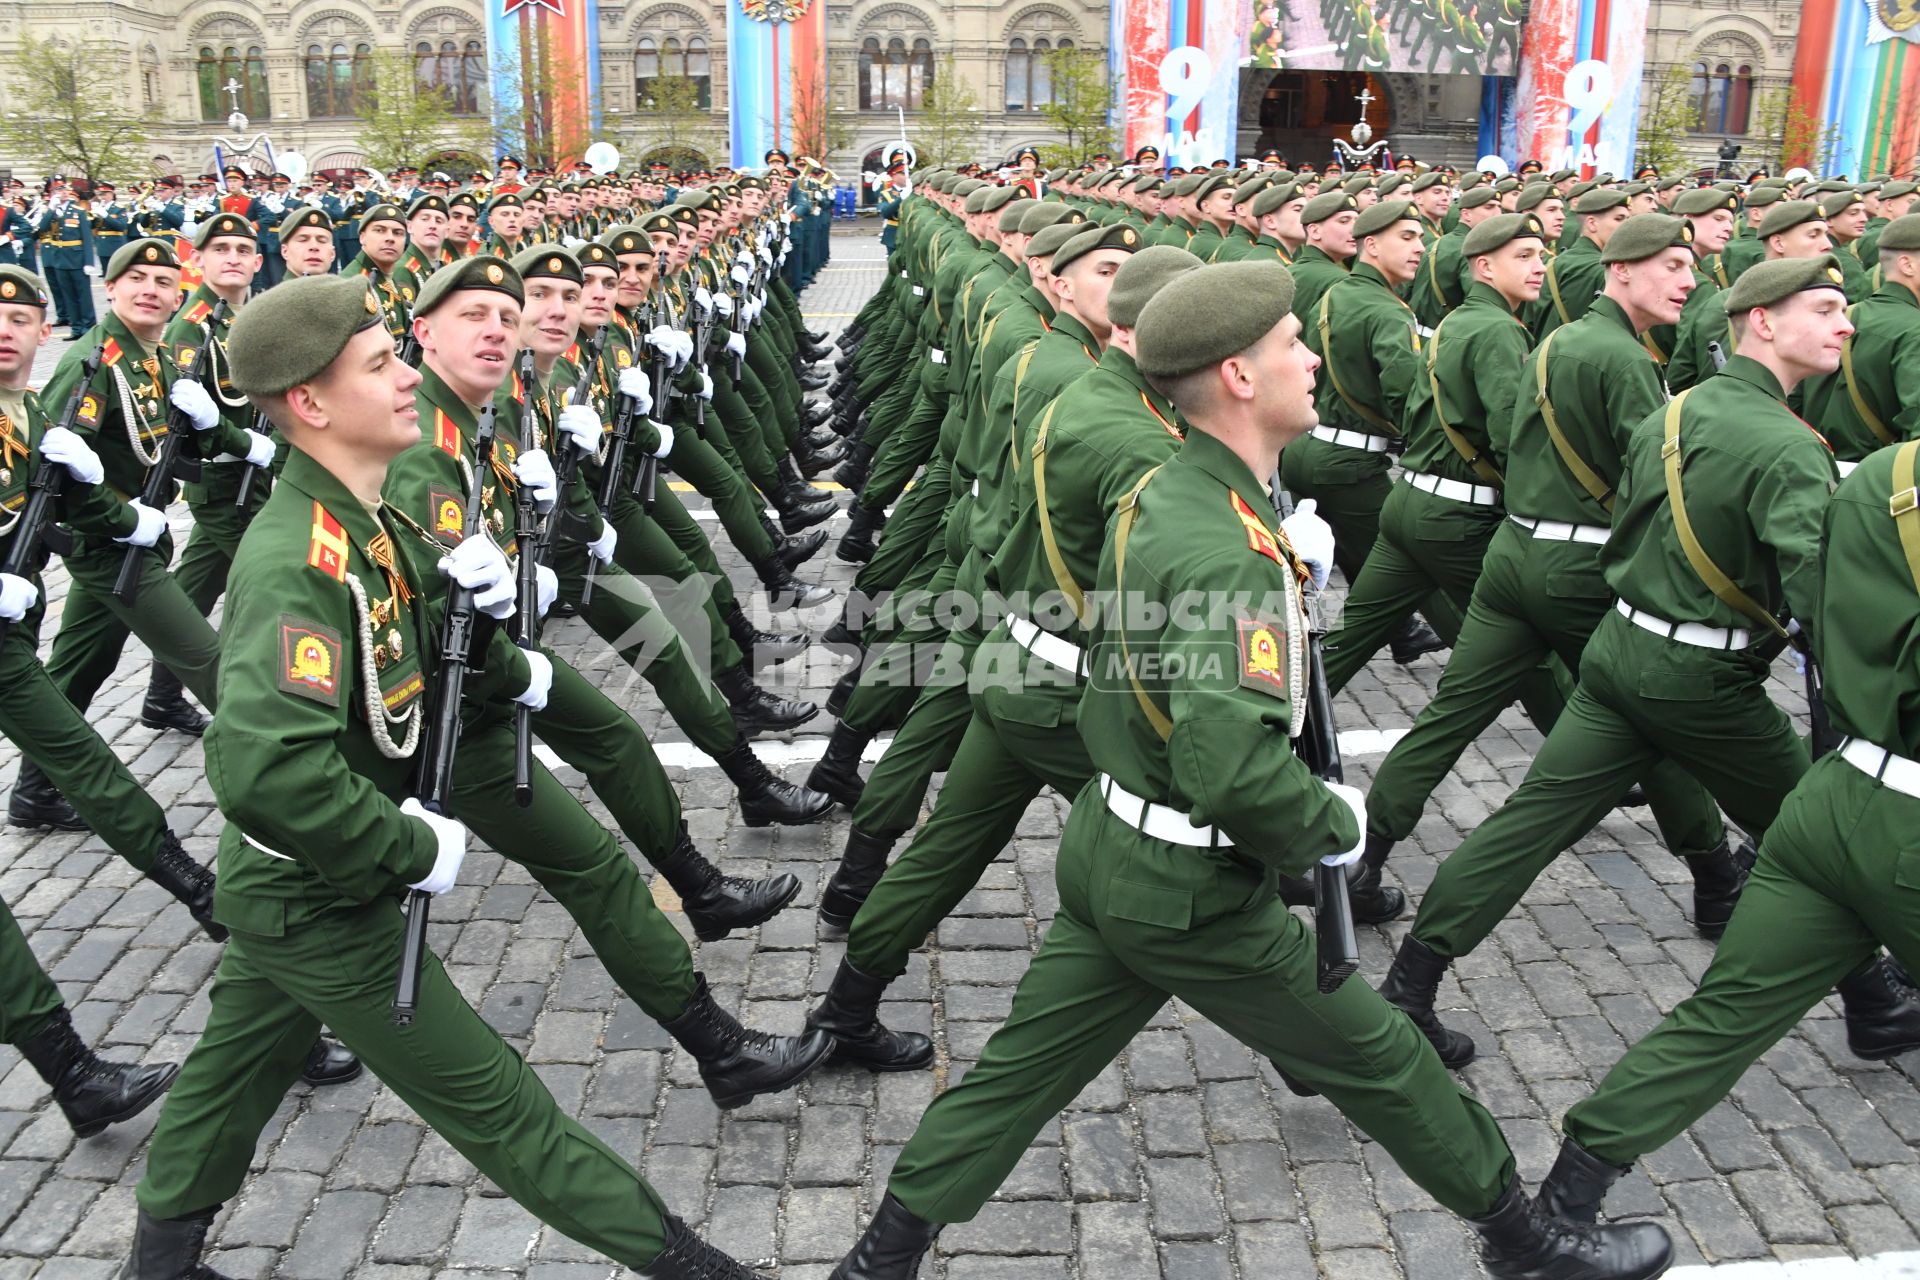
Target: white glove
x,y
666,439
535,470
539,682
17,595
546,588
766,255
1799,654
75,454
666,341
741,273
1312,540
703,300
1358,803
571,242
259,448
190,398
737,344
580,423
91,269
638,386
450,837
706,387
482,567
601,548
151,524
723,304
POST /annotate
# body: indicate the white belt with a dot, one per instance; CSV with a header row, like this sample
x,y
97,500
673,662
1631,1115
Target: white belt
x,y
976,486
1846,468
1480,495
919,291
936,355
1157,820
1697,634
271,853
1353,439
1561,531
1047,647
1898,772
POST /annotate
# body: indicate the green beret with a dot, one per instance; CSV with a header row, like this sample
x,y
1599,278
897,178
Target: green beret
x,y
1767,284
1356,184
1478,196
1902,234
966,187
464,200
1636,189
1378,217
660,223
682,217
1786,215
482,272
999,198
292,332
510,200
1668,184
382,213
596,254
1121,235
1054,175
1598,200
977,199
1833,186
304,216
1246,191
1704,200
1646,234
1216,180
1046,214
1188,184
1010,216
1113,177
146,252
697,200
1391,184
20,287
550,260
1142,276
1499,231
1894,190
426,204
1274,196
1764,197
1467,183
1184,327
1504,185
1839,202
1049,238
1326,205
1148,182
224,224
1562,175
1533,195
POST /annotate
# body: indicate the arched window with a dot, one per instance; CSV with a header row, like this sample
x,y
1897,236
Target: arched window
x,y
1721,100
919,74
1019,68
646,69
473,63
896,95
1697,96
700,70
896,76
872,74
1739,101
1040,87
426,66
673,61
254,100
215,70
206,73
337,76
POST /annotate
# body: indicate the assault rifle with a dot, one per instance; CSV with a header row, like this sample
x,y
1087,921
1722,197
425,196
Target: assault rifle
x,y
169,468
36,526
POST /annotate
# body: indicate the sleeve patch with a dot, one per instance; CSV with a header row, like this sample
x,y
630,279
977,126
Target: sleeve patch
x,y
89,414
310,657
184,356
449,514
1263,653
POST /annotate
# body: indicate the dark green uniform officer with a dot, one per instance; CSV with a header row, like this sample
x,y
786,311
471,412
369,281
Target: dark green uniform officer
x,y
1576,274
1716,534
1169,864
1703,321
1873,398
331,655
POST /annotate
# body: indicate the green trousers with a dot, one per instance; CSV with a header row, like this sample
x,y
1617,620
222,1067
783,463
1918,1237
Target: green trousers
x,y
696,459
1106,967
52,733
218,526
907,447
28,998
1024,736
645,549
924,744
335,963
1427,545
1535,600
94,625
1641,698
907,649
671,515
910,532
1838,875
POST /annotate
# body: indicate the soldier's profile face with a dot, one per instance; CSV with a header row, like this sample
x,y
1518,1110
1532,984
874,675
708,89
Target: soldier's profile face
x,y
1711,231
1552,213
1809,330
22,330
1397,251
1601,226
1808,240
1657,287
1336,234
367,395
1281,371
1518,269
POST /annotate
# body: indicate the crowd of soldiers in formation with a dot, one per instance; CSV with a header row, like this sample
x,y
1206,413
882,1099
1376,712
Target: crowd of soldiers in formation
x,y
1073,393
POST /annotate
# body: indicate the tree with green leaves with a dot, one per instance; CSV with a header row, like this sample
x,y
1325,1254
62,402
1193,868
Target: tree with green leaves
x,y
67,108
818,130
538,121
672,123
1667,114
946,129
1080,105
403,122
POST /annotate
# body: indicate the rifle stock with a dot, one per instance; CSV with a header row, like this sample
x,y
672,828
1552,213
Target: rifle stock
x,y
1319,746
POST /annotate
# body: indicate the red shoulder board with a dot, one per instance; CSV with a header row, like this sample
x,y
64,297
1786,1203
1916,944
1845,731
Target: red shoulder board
x,y
1259,537
445,433
328,550
572,355
110,353
198,311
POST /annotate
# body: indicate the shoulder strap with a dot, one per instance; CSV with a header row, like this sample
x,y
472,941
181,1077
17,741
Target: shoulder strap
x,y
1481,464
1723,587
1860,405
1597,489
1905,506
1056,562
1553,283
1333,371
1013,419
1123,529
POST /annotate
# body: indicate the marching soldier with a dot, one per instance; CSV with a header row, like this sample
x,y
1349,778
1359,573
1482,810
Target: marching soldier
x,y
1576,274
1873,399
383,241
64,233
306,242
1704,320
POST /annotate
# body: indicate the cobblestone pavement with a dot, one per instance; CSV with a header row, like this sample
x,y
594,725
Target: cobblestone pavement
x,y
1185,1158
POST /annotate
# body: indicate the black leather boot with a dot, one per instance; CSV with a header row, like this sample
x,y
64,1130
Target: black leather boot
x,y
1410,984
1519,1241
176,872
813,461
762,648
842,691
892,1247
688,1257
863,526
330,1062
837,772
37,803
765,799
796,515
166,705
796,550
813,381
716,904
92,1092
1374,902
1577,1183
169,1248
850,1013
796,487
843,632
853,472
1414,639
784,591
1883,1017
738,1065
754,709
1718,878
862,863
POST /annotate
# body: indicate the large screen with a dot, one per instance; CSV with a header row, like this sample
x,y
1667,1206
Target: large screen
x,y
1422,36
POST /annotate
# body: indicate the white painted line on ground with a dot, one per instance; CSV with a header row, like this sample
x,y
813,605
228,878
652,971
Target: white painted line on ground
x,y
1884,1266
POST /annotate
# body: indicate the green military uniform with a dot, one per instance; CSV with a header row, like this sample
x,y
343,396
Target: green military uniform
x,y
1873,399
